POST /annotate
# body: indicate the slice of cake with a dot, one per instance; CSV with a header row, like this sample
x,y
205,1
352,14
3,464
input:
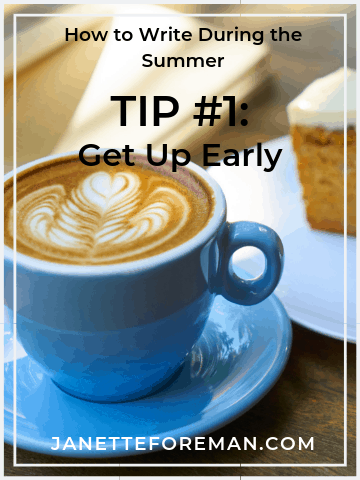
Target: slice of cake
x,y
316,120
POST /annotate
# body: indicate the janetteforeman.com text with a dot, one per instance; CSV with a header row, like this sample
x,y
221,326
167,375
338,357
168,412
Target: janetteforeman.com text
x,y
184,443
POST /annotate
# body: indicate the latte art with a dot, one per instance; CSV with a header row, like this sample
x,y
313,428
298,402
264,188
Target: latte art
x,y
69,213
102,213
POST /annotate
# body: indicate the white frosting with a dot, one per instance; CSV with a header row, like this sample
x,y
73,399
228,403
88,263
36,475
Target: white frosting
x,y
103,211
322,102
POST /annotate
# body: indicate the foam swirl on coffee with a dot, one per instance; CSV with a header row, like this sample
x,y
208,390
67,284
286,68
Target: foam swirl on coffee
x,y
105,217
70,213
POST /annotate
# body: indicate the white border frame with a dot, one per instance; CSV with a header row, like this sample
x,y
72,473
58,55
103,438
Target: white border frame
x,y
15,464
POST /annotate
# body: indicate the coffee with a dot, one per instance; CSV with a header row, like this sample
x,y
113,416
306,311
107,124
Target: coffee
x,y
75,214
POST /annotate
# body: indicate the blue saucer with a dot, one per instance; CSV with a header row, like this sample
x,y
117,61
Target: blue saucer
x,y
239,357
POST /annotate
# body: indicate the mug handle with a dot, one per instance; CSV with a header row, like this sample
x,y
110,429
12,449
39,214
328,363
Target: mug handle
x,y
248,234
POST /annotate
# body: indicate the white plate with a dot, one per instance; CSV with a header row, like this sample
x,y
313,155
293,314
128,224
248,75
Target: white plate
x,y
312,285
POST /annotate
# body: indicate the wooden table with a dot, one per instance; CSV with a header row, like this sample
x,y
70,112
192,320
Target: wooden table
x,y
308,399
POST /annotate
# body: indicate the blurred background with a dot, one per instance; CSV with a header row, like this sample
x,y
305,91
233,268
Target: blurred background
x,y
63,88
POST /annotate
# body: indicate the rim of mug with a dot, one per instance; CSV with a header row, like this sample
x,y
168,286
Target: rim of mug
x,y
135,266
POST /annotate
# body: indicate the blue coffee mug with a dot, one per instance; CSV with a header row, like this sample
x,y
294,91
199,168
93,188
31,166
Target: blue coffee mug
x,y
118,332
